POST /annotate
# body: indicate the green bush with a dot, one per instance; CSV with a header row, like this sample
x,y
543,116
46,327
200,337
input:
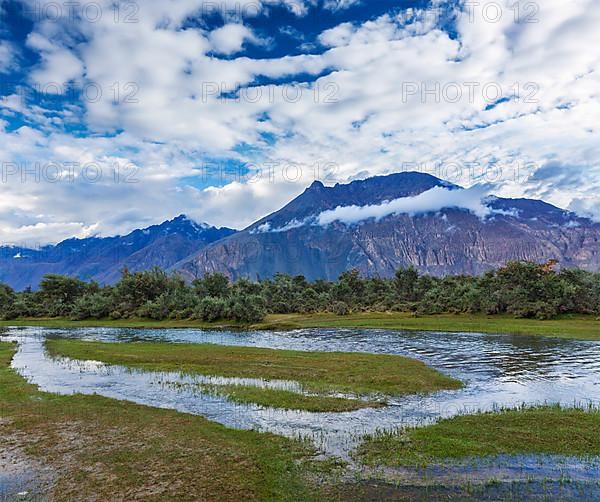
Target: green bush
x,y
210,309
246,309
92,306
340,308
523,289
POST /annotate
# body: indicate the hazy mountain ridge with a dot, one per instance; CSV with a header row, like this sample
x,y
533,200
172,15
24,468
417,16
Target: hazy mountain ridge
x,y
103,258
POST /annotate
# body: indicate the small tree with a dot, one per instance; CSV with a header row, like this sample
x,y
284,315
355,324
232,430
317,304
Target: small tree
x,y
7,302
58,294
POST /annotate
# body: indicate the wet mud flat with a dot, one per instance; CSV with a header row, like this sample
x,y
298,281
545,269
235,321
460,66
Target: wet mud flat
x,y
503,477
21,477
534,490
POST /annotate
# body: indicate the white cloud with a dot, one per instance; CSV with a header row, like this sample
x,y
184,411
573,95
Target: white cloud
x,y
366,126
8,55
230,38
335,5
39,234
432,200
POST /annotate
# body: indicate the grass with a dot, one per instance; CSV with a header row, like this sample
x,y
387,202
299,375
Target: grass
x,y
535,430
288,400
568,326
103,449
325,372
576,327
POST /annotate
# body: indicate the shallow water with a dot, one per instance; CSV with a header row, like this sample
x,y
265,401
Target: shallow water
x,y
499,370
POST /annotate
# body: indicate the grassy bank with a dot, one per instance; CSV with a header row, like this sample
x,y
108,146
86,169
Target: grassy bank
x,y
576,327
321,372
103,449
288,400
539,430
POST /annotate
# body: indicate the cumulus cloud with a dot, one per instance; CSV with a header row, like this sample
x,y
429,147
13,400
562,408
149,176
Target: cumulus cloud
x,y
39,234
230,38
353,110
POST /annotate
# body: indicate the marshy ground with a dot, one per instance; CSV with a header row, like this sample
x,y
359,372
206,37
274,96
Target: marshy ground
x,y
321,373
577,327
94,447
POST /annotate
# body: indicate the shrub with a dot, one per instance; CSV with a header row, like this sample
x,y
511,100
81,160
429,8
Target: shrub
x,y
340,308
92,306
210,309
246,309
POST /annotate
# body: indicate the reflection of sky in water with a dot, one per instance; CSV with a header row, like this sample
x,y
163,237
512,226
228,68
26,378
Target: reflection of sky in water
x,y
499,370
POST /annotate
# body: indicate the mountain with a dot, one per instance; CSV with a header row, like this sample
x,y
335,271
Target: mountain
x,y
103,258
382,223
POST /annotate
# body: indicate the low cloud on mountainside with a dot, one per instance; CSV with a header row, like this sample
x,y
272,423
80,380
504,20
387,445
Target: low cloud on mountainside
x,y
474,200
432,200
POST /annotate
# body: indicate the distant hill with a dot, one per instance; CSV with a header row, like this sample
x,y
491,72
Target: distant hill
x,y
379,224
103,258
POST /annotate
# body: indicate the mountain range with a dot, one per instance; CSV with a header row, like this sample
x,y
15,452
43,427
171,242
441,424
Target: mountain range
x,y
403,219
103,258
375,225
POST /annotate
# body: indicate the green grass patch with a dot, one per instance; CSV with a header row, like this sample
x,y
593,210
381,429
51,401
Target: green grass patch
x,y
288,400
535,430
104,449
324,372
568,326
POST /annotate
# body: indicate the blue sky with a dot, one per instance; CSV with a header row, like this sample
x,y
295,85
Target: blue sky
x,y
116,117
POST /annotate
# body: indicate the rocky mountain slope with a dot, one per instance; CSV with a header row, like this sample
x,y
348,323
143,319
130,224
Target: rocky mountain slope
x,y
382,223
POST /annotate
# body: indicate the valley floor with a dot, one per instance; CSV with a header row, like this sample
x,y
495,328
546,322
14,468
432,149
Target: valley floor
x,y
574,327
91,447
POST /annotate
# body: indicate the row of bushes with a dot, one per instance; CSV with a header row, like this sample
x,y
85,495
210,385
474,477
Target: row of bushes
x,y
523,289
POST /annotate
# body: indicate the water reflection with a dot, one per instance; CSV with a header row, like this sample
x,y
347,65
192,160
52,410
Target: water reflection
x,y
499,370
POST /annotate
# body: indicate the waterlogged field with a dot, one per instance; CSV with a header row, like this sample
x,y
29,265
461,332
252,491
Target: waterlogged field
x,y
328,413
578,327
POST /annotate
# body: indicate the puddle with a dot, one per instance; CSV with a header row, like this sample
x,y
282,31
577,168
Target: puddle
x,y
21,478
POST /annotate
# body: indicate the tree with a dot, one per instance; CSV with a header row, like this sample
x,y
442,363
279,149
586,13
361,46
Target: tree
x,y
211,309
96,305
58,294
405,284
246,309
215,285
138,289
350,288
7,302
525,289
